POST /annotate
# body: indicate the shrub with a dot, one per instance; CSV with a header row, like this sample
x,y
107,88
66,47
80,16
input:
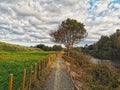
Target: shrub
x,y
103,78
81,59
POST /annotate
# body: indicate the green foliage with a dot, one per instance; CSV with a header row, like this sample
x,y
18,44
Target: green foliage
x,y
69,32
57,48
43,47
46,48
106,47
102,78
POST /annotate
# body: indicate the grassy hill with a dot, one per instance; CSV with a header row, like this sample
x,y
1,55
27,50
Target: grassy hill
x,y
17,52
12,47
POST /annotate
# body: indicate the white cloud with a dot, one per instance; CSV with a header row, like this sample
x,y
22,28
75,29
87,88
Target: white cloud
x,y
32,20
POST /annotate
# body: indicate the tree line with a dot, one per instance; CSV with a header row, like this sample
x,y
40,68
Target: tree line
x,y
47,48
108,47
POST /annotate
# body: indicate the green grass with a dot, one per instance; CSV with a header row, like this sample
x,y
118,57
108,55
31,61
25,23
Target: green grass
x,y
15,63
12,47
14,59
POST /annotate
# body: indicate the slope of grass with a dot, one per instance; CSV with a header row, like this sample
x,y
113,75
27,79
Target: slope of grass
x,y
14,59
12,47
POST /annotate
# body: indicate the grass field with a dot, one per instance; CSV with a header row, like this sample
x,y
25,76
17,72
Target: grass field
x,y
15,61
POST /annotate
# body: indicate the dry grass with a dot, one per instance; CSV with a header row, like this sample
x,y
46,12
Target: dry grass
x,y
83,71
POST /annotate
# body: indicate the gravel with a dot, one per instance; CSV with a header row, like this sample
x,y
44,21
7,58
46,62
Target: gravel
x,y
59,78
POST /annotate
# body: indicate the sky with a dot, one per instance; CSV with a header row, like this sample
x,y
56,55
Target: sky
x,y
29,22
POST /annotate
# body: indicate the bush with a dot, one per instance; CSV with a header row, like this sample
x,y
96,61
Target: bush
x,y
103,78
81,59
47,48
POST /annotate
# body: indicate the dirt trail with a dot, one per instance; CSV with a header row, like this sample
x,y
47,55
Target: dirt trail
x,y
59,78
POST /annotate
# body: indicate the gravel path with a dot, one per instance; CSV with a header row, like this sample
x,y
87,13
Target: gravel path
x,y
59,79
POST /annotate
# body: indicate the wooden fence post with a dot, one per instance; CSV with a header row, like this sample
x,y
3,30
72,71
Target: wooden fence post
x,y
43,64
23,79
35,72
30,78
48,60
56,54
10,82
52,59
38,70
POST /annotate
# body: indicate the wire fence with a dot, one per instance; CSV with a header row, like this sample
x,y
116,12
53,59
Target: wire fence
x,y
25,78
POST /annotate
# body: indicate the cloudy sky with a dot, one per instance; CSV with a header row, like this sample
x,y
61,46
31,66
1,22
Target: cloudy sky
x,y
28,22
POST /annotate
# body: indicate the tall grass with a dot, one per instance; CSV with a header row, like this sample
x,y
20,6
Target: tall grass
x,y
99,76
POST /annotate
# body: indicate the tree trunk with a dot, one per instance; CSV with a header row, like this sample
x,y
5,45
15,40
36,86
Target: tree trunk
x,y
69,47
68,52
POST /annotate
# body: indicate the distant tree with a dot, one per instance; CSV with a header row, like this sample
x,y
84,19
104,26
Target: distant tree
x,y
68,33
57,48
40,46
90,47
47,48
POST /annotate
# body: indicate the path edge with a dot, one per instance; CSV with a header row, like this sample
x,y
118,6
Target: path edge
x,y
75,86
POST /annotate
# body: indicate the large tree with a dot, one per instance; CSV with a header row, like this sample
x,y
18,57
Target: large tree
x,y
68,33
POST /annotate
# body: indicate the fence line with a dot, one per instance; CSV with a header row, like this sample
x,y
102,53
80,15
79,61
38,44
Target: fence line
x,y
34,73
23,79
10,82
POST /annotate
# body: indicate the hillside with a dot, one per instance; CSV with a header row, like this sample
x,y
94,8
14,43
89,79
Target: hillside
x,y
6,47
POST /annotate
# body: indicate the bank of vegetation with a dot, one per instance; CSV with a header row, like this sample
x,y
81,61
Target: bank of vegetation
x,y
91,76
108,47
